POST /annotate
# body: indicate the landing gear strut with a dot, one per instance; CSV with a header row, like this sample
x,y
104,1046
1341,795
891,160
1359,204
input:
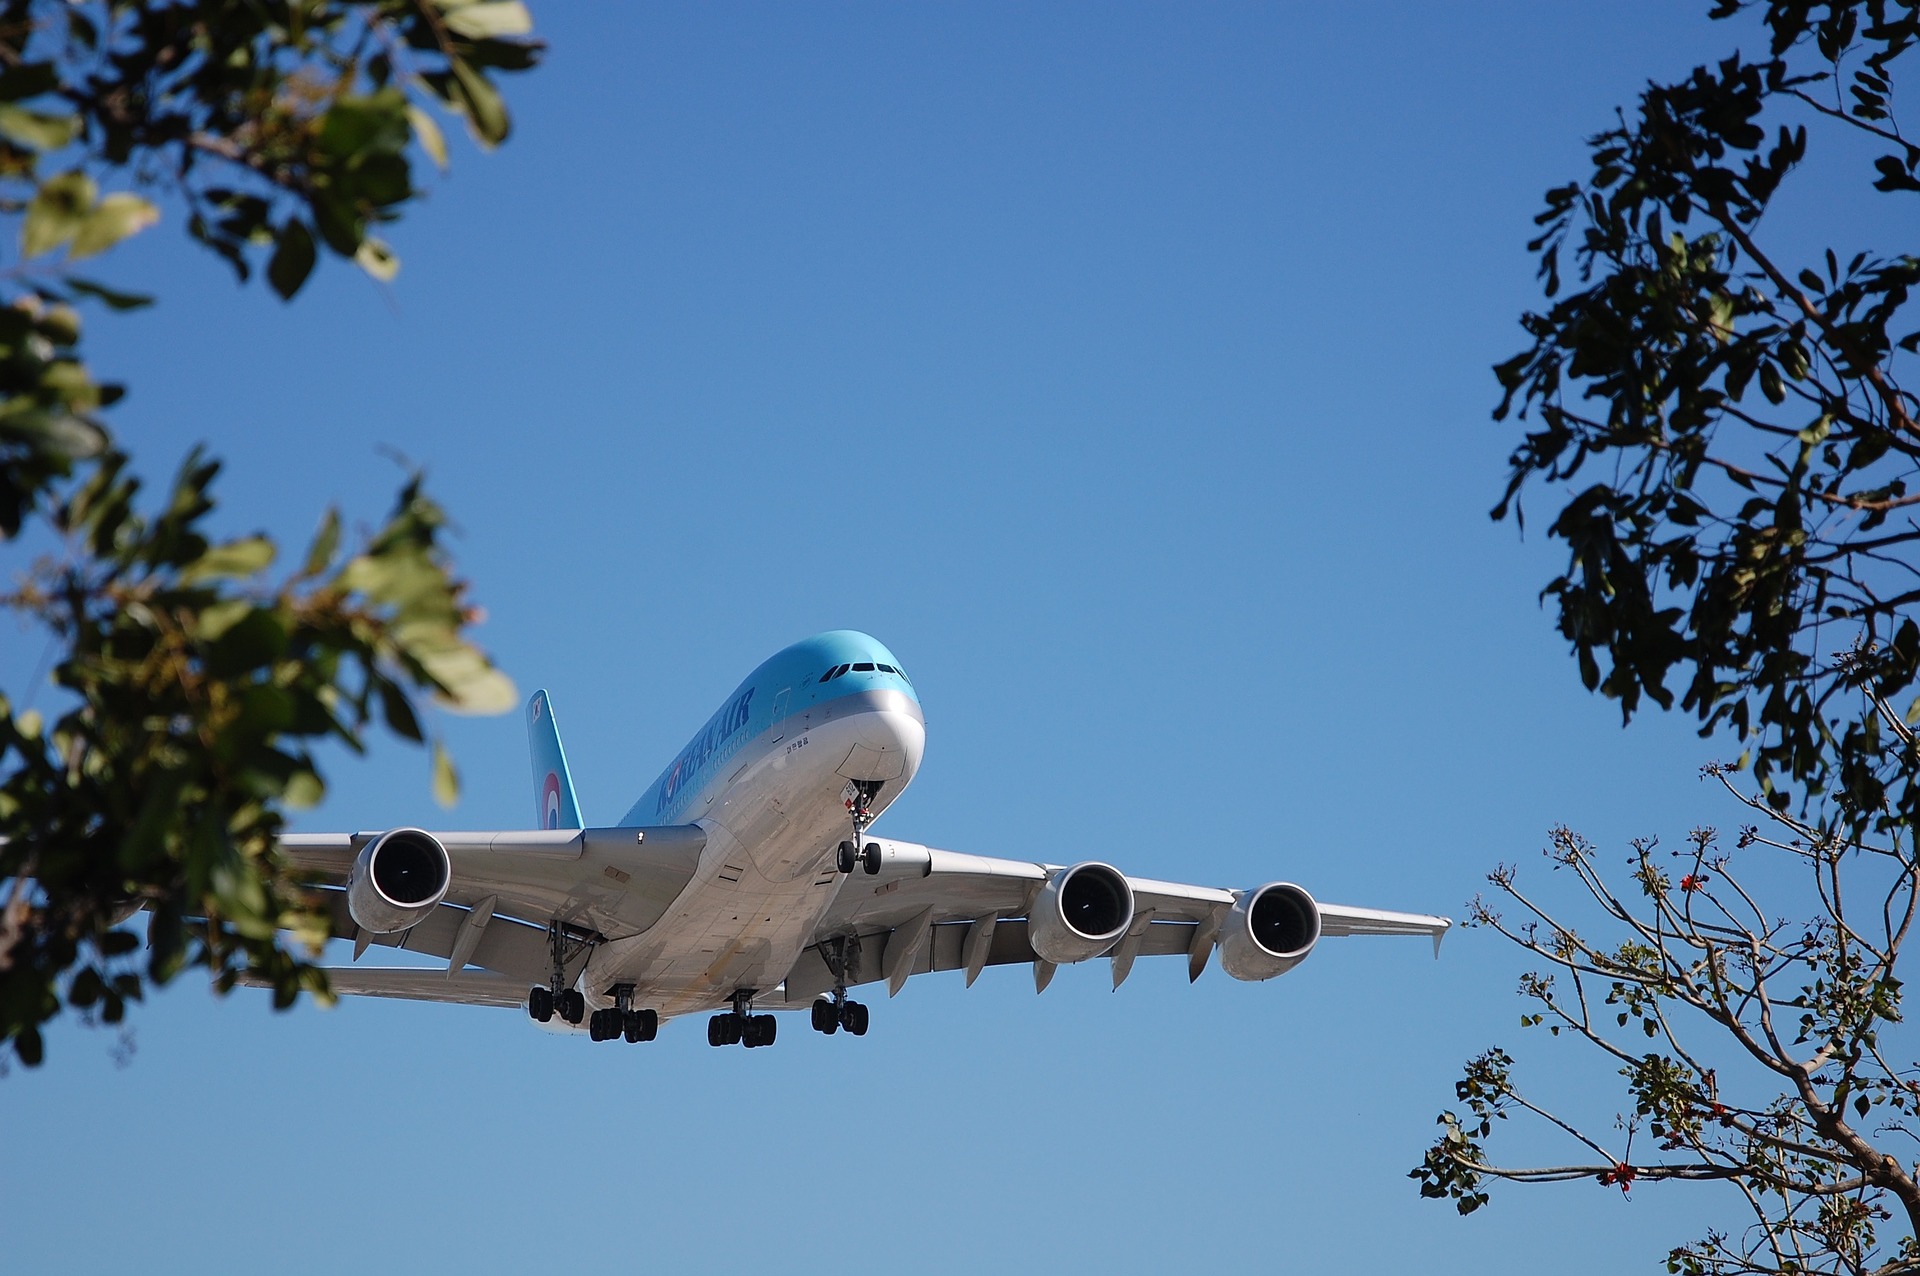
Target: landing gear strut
x,y
740,1026
830,1014
860,795
564,943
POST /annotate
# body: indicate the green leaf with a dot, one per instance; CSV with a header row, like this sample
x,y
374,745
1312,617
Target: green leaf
x,y
293,258
112,220
446,781
37,130
488,19
426,131
325,542
215,620
56,213
235,558
304,790
480,103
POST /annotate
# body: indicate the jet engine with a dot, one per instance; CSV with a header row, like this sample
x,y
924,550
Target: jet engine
x,y
397,879
1081,912
1269,932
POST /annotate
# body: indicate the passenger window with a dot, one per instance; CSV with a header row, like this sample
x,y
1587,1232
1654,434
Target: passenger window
x,y
864,667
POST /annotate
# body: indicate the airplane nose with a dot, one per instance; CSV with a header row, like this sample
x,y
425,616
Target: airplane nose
x,y
887,747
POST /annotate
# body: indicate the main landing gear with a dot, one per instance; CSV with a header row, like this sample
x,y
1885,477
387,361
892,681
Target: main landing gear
x,y
622,1019
740,1026
830,1014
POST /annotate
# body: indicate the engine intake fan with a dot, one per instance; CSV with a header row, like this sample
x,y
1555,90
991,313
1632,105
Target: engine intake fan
x,y
1269,932
1082,912
397,880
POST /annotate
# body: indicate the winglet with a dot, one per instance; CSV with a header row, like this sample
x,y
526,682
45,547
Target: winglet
x,y
1438,935
554,804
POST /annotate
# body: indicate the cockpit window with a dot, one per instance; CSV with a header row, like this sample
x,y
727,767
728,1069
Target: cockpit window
x,y
886,668
865,666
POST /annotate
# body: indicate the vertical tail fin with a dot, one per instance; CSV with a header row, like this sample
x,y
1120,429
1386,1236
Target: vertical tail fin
x,y
555,806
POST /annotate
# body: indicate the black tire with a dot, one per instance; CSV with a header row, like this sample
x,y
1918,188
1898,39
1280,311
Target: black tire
x,y
731,1029
716,1035
649,1024
856,1019
870,860
597,1025
769,1029
825,1017
540,1004
845,858
573,1006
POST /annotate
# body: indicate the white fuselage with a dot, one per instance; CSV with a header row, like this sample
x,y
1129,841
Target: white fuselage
x,y
774,814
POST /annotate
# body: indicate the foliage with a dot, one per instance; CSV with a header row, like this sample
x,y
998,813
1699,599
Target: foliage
x,y
1726,416
196,685
1718,409
1757,1052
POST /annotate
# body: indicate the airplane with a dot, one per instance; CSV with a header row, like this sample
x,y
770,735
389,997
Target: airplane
x,y
745,881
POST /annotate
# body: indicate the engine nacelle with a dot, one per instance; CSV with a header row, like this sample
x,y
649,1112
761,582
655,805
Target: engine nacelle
x,y
1081,912
1269,932
397,879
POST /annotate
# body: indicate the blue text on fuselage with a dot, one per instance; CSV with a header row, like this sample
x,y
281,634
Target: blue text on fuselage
x,y
724,725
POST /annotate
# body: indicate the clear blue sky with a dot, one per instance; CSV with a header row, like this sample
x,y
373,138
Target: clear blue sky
x,y
1125,369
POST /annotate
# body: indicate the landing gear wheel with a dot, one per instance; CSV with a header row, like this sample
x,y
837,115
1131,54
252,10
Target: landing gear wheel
x,y
846,858
760,1030
540,1004
826,1017
870,859
571,1005
853,1017
642,1025
725,1029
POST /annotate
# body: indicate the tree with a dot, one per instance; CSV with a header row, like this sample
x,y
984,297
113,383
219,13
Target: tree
x,y
1748,535
1758,1052
1720,413
193,683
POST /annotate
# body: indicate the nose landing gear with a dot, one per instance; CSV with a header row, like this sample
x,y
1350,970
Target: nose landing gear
x,y
850,857
859,799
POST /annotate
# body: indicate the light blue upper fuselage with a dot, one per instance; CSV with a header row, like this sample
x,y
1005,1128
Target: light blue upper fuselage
x,y
790,682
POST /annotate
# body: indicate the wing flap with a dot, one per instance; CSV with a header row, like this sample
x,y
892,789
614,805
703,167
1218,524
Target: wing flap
x,y
506,946
468,988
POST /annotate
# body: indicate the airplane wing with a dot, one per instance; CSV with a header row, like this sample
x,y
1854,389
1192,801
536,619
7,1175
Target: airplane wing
x,y
502,889
930,910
